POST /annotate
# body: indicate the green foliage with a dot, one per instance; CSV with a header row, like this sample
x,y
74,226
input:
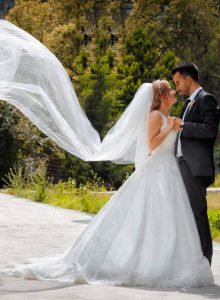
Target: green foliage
x,y
14,179
39,182
90,197
17,182
99,92
65,42
9,144
214,221
143,62
188,28
108,50
112,174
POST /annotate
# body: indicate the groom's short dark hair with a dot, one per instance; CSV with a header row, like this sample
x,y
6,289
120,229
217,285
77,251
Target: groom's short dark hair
x,y
188,69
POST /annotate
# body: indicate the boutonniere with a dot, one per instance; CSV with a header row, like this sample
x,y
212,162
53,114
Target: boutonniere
x,y
191,104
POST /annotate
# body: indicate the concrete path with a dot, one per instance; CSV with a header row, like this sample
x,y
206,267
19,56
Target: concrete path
x,y
29,229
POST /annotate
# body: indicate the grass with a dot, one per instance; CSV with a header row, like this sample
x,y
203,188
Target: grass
x,y
213,200
85,201
90,197
86,198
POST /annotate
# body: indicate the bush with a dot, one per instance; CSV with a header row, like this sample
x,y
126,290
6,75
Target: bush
x,y
14,179
89,197
214,221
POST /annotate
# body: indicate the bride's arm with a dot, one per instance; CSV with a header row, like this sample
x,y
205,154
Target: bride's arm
x,y
155,136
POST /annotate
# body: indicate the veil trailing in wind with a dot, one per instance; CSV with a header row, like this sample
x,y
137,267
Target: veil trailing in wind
x,y
33,80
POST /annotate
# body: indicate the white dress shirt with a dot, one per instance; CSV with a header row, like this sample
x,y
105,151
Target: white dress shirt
x,y
192,96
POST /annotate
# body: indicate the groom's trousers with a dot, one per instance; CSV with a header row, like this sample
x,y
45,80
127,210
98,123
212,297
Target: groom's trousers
x,y
196,189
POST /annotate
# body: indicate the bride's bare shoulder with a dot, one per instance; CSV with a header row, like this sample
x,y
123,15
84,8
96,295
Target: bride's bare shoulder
x,y
155,115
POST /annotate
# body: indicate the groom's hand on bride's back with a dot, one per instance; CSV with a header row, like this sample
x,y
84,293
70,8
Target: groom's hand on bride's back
x,y
177,123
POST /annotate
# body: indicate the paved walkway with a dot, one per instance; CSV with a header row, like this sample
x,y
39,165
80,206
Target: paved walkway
x,y
30,229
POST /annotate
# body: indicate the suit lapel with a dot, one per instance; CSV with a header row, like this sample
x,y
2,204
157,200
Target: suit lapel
x,y
184,108
189,111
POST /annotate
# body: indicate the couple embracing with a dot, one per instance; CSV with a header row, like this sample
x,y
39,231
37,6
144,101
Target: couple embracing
x,y
154,231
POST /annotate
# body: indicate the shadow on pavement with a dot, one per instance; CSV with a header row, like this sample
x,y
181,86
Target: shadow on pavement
x,y
209,292
82,221
23,289
22,286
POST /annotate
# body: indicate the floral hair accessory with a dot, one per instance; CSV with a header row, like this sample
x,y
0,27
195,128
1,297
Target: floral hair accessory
x,y
158,82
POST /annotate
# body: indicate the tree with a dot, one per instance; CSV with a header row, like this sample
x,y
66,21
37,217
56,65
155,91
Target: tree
x,y
109,48
143,62
9,142
187,28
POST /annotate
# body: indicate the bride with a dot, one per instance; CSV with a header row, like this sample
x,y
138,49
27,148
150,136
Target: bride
x,y
146,234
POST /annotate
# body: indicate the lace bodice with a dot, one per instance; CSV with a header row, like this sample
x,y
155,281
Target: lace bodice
x,y
167,146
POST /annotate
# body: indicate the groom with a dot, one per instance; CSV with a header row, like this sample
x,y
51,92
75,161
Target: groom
x,y
197,130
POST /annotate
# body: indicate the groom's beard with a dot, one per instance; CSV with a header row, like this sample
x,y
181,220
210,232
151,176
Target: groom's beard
x,y
185,95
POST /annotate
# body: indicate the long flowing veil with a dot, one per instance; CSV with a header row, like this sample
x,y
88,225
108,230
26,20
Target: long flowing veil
x,y
33,80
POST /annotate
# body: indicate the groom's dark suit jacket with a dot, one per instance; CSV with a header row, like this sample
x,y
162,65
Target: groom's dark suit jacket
x,y
198,135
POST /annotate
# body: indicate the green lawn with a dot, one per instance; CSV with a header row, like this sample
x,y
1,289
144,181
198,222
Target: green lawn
x,y
213,199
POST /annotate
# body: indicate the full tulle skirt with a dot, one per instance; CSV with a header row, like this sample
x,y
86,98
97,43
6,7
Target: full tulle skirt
x,y
145,235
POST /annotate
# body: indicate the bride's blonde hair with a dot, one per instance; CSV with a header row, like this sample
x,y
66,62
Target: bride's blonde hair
x,y
160,87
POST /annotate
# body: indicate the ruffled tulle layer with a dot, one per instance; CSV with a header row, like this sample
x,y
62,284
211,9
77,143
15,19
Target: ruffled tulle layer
x,y
145,235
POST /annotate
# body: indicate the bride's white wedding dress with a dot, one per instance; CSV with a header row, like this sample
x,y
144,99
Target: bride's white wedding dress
x,y
145,235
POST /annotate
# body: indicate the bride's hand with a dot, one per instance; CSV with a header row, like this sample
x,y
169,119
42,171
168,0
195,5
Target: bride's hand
x,y
170,122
